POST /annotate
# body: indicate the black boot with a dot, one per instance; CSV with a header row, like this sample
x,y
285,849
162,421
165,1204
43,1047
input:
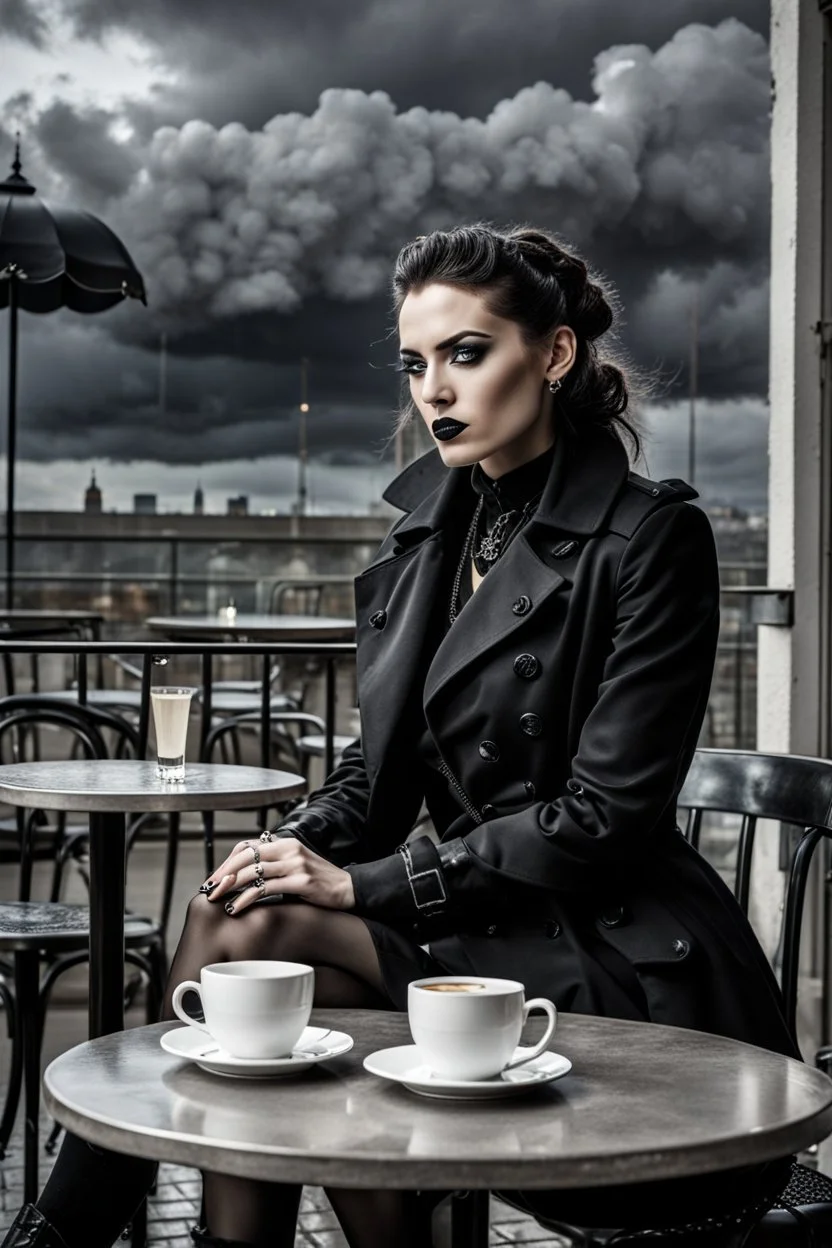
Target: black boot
x,y
31,1230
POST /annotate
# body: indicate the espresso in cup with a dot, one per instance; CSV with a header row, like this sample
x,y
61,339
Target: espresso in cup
x,y
255,1009
453,987
468,1027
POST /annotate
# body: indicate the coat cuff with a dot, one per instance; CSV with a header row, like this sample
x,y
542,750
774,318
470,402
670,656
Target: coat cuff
x,y
405,889
287,830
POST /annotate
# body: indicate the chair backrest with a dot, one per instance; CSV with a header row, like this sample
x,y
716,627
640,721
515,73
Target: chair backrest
x,y
297,597
85,724
788,788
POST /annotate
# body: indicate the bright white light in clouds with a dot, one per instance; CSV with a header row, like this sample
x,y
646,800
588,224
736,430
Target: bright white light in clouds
x,y
81,73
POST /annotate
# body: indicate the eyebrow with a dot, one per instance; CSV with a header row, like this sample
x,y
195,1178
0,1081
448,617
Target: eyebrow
x,y
447,342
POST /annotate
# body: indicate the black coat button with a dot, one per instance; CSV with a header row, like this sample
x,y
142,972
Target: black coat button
x,y
613,916
488,810
522,606
552,929
489,750
530,789
491,930
527,666
681,948
378,619
532,725
563,549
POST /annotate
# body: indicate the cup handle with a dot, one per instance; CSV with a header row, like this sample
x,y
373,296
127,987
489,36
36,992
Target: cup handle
x,y
537,1003
187,985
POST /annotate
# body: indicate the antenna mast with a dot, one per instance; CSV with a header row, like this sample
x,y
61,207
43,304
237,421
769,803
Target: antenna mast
x,y
303,455
693,384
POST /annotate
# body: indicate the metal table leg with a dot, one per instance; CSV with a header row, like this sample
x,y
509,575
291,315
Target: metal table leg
x,y
26,968
469,1220
107,871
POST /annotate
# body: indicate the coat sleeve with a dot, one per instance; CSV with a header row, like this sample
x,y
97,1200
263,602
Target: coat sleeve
x,y
634,749
332,821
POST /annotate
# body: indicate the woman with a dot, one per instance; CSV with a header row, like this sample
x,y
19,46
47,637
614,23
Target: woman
x,y
536,639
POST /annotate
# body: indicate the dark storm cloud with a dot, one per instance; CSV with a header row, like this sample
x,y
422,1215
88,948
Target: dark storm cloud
x,y
21,20
272,58
671,155
84,395
663,179
731,460
265,242
79,147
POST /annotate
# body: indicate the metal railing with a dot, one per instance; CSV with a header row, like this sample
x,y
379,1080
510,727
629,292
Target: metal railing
x,y
149,574
156,654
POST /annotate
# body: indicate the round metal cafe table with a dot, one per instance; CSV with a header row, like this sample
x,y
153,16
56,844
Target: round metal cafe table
x,y
642,1102
252,627
108,790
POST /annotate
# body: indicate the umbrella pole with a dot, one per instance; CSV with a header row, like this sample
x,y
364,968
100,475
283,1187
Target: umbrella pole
x,y
11,431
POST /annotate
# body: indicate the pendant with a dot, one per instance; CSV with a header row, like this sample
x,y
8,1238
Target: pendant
x,y
491,542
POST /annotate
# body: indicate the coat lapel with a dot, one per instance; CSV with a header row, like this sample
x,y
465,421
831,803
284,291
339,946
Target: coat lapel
x,y
489,616
586,477
404,582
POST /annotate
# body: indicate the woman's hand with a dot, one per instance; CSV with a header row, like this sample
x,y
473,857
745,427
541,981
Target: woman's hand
x,y
281,866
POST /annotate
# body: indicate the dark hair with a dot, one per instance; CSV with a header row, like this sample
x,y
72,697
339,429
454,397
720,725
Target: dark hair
x,y
529,276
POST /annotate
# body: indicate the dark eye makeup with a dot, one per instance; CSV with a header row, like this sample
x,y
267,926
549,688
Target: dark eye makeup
x,y
465,353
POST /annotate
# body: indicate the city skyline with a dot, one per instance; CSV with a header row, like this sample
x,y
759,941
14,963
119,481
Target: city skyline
x,y
265,205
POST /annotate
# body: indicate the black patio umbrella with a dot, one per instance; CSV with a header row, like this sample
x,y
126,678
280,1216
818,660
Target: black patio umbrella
x,y
50,258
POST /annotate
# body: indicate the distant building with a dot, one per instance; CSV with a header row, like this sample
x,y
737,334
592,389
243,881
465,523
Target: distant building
x,y
144,504
92,498
238,506
199,501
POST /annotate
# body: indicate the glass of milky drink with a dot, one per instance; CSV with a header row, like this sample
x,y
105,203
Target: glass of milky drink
x,y
467,1027
171,708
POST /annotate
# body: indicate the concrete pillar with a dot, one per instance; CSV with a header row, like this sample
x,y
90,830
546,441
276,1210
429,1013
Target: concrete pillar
x,y
793,708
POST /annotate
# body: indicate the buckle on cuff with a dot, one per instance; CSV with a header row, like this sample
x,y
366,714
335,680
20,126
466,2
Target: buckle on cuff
x,y
427,886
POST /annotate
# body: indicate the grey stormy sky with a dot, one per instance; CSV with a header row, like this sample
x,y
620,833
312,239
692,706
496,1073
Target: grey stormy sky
x,y
263,163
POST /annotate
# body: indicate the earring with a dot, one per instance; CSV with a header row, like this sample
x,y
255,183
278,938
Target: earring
x,y
555,385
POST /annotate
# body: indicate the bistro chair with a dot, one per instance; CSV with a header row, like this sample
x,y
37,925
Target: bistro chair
x,y
41,940
27,837
787,789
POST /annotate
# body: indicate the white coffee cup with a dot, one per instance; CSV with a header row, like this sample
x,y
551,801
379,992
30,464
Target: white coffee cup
x,y
252,1009
467,1027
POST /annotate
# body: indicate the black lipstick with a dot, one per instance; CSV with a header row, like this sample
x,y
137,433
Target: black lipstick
x,y
446,428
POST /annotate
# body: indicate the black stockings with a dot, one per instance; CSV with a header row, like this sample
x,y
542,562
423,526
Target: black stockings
x,y
92,1194
347,975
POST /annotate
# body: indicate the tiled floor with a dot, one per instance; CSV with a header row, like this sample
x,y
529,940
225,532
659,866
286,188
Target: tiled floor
x,y
174,1208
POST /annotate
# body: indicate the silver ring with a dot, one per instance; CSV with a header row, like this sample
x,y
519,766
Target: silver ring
x,y
267,837
259,884
259,871
256,852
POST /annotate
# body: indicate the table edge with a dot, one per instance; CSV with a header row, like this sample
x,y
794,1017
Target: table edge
x,y
366,1171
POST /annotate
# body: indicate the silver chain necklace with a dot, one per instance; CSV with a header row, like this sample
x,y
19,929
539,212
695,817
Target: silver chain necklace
x,y
492,545
467,547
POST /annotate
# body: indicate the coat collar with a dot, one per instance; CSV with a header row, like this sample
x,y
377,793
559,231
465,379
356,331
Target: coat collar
x,y
586,477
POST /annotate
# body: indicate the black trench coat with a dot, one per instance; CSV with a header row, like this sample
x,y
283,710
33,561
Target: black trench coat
x,y
565,701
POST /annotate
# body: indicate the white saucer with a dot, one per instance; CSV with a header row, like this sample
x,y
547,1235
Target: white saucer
x,y
403,1065
317,1044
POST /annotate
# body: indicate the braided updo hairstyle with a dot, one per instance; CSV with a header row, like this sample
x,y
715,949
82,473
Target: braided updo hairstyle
x,y
527,276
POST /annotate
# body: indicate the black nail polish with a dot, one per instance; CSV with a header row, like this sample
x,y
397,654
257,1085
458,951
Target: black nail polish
x,y
207,889
229,909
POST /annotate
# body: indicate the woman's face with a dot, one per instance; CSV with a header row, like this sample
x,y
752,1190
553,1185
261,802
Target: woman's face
x,y
480,389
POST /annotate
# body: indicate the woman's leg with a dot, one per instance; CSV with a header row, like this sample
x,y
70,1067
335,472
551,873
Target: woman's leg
x,y
347,975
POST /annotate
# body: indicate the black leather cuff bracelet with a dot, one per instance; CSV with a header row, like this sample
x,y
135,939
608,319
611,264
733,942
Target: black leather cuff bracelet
x,y
424,875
